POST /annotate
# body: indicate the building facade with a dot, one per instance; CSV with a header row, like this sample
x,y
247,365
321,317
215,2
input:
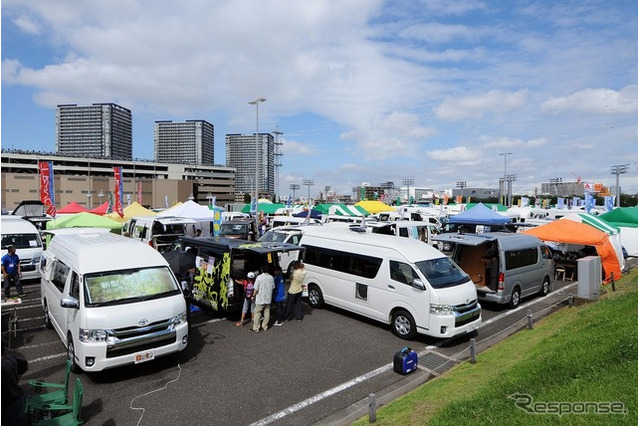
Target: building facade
x,y
241,155
186,142
90,182
100,130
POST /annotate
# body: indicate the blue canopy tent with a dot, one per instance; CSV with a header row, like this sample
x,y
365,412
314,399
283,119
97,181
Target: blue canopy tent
x,y
479,215
315,214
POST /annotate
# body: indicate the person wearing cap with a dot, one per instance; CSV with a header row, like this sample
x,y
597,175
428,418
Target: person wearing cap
x,y
11,272
248,303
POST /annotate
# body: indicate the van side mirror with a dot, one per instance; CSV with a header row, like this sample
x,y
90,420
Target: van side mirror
x,y
417,283
70,302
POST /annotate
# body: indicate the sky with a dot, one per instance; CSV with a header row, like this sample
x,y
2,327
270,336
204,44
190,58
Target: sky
x,y
438,91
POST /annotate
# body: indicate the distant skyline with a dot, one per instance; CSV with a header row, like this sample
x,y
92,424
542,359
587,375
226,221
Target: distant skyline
x,y
362,90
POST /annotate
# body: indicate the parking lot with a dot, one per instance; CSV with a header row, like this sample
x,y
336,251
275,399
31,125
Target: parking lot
x,y
321,370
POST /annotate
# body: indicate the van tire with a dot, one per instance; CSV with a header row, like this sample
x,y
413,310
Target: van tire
x,y
403,325
315,296
47,316
514,301
71,355
544,290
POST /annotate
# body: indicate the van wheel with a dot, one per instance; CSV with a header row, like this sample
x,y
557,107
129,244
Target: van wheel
x,y
71,355
315,296
515,298
403,324
544,290
47,316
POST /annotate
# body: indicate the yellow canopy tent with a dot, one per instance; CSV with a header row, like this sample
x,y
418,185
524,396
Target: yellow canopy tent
x,y
132,210
374,207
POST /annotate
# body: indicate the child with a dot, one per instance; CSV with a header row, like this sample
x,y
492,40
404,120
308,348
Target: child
x,y
248,303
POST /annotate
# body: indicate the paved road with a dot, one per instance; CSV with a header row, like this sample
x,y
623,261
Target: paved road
x,y
318,371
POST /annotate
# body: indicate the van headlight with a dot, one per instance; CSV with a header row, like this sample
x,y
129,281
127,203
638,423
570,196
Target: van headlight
x,y
440,309
179,319
93,335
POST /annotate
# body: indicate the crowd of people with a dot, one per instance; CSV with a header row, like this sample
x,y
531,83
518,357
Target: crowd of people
x,y
270,287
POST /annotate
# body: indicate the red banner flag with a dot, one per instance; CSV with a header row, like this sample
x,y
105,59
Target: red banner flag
x,y
117,175
47,194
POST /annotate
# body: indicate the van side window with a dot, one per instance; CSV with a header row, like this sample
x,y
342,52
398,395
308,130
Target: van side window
x,y
295,239
60,274
350,263
75,286
519,258
401,272
546,252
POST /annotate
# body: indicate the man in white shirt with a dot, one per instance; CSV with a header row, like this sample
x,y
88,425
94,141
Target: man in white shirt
x,y
262,293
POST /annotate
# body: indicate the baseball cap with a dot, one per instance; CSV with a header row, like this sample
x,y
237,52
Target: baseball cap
x,y
251,275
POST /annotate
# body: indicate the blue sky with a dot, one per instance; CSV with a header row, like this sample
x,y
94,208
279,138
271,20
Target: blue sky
x,y
363,90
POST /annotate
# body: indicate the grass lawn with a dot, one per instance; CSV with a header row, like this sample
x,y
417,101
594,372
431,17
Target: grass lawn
x,y
578,355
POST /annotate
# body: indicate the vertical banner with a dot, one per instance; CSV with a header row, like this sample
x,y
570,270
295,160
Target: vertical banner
x,y
446,200
589,201
217,220
166,201
47,193
140,192
608,202
524,201
117,175
458,199
560,203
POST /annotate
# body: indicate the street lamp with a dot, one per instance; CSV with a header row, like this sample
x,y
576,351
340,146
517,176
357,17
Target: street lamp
x,y
89,195
257,103
408,182
100,195
618,170
308,183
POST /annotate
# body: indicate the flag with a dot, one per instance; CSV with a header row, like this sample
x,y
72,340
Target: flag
x,y
608,202
589,202
458,199
140,192
560,203
289,201
524,201
117,176
217,220
47,193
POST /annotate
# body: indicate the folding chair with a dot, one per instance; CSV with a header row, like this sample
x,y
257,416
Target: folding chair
x,y
70,418
60,395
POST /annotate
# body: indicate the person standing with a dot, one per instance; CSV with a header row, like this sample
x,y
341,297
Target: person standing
x,y
248,303
294,299
280,296
11,272
262,293
14,365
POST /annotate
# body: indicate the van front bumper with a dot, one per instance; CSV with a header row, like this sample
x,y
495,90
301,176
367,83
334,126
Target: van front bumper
x,y
94,356
456,324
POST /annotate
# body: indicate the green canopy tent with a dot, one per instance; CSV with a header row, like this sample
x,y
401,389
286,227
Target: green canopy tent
x,y
341,209
266,208
626,218
499,207
84,220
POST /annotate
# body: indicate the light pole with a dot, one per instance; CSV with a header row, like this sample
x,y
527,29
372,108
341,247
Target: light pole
x,y
503,181
308,183
100,195
408,182
257,103
555,182
618,170
89,195
462,184
294,186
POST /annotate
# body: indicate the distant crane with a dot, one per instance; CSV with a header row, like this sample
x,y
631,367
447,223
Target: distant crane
x,y
578,178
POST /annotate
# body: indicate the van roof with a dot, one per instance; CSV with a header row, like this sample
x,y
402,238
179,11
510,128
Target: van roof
x,y
412,250
507,240
97,252
223,244
12,224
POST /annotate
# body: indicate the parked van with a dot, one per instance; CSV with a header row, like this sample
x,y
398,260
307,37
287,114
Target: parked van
x,y
222,263
505,267
112,300
278,221
286,234
244,229
158,232
397,281
419,230
24,236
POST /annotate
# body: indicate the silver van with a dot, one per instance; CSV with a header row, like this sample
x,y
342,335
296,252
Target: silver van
x,y
505,267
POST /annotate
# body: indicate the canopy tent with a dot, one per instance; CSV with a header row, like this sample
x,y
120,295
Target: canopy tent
x,y
190,210
132,210
497,207
83,220
341,209
570,232
315,214
374,207
266,208
72,208
479,215
102,209
611,230
626,218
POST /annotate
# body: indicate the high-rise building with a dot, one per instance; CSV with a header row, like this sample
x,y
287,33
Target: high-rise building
x,y
241,154
184,142
100,130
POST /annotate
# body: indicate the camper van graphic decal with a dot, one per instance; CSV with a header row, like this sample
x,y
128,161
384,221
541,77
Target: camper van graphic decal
x,y
211,280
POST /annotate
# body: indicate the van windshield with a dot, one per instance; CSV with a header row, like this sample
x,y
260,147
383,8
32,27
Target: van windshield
x,y
128,286
274,237
442,272
21,241
233,229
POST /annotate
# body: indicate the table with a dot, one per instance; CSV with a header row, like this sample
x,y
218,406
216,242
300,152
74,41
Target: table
x,y
10,318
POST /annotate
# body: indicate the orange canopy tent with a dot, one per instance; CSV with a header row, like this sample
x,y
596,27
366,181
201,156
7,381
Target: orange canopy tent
x,y
570,232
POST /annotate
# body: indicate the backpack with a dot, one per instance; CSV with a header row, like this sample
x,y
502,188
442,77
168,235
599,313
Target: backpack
x,y
249,291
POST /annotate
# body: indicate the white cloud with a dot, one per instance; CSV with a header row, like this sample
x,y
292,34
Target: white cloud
x,y
513,143
599,101
461,155
476,106
27,25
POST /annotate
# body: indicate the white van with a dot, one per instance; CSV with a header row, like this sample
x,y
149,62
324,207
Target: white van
x,y
158,232
112,300
397,281
278,221
24,236
418,230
